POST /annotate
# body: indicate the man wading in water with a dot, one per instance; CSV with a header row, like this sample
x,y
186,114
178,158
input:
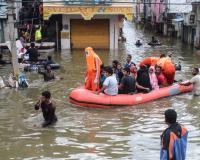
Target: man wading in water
x,y
48,109
195,81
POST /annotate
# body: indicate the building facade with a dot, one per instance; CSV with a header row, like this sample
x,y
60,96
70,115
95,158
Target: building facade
x,y
3,18
189,28
158,9
196,12
95,23
167,16
138,11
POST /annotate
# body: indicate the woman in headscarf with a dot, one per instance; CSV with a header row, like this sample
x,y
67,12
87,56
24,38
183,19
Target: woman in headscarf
x,y
143,78
94,63
153,78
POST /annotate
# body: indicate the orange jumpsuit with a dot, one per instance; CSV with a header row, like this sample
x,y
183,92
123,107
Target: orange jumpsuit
x,y
93,70
168,69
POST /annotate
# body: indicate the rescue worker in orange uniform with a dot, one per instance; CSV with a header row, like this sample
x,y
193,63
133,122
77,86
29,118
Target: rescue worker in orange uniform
x,y
168,68
94,63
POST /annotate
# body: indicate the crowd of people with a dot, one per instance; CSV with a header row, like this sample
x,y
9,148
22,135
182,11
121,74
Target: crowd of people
x,y
28,57
30,17
33,33
153,73
116,79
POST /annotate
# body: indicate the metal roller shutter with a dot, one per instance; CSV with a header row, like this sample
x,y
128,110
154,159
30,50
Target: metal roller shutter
x,y
93,33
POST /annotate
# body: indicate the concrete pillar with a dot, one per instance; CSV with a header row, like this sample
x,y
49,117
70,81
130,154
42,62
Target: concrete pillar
x,y
165,29
114,32
65,33
11,36
196,42
197,38
189,35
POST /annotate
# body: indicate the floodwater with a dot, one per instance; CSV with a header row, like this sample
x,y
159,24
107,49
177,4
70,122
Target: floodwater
x,y
88,134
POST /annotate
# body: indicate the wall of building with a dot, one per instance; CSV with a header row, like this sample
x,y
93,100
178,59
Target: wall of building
x,y
138,11
157,10
114,30
197,37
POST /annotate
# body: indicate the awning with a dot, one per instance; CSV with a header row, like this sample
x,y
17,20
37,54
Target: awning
x,y
87,12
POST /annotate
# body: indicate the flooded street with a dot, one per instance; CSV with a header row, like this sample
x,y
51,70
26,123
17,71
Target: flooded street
x,y
81,133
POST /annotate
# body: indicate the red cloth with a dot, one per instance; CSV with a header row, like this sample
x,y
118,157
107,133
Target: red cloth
x,y
161,79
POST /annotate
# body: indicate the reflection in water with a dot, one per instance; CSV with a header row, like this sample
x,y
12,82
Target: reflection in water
x,y
123,133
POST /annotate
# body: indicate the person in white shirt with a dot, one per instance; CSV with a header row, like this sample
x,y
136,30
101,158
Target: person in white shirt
x,y
195,81
110,85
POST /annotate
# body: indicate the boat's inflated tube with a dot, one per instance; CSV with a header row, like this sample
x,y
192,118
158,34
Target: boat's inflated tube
x,y
86,98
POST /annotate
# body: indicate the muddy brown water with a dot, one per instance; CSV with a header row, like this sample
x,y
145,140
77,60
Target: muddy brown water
x,y
122,133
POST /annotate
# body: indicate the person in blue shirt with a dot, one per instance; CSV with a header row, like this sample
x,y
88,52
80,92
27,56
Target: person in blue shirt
x,y
173,139
128,61
102,75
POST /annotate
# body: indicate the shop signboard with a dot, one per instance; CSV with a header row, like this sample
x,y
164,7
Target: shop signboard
x,y
87,12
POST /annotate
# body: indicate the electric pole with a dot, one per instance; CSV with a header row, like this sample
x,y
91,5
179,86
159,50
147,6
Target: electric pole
x,y
11,37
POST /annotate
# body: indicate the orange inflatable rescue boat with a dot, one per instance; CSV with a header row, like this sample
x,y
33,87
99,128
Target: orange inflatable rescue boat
x,y
86,98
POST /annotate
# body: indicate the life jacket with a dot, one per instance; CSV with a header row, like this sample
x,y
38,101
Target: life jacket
x,y
154,60
91,57
150,61
163,61
174,143
168,68
38,34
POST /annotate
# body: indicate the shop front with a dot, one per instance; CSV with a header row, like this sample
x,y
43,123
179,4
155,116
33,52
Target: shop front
x,y
95,26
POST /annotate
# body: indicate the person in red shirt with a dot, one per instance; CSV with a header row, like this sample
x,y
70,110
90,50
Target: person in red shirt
x,y
162,81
